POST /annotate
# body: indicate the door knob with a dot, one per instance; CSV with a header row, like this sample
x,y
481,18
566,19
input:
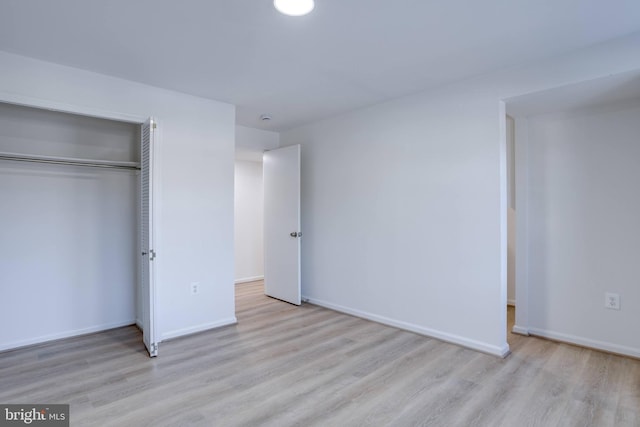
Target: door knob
x,y
295,234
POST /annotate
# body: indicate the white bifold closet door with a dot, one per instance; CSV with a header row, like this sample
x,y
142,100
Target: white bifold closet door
x,y
147,288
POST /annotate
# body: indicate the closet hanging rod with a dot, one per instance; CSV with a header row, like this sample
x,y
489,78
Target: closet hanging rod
x,y
69,161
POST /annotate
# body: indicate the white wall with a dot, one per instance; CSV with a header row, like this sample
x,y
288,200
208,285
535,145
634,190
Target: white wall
x,y
251,143
404,203
583,210
511,212
38,131
249,217
511,256
68,246
194,180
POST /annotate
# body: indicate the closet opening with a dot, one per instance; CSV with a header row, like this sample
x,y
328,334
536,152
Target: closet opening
x,y
70,247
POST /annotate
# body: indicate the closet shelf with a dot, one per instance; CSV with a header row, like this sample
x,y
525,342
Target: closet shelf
x,y
69,161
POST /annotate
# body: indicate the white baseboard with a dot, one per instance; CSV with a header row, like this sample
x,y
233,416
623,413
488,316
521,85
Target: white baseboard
x,y
520,330
139,324
443,336
66,334
586,342
249,279
199,328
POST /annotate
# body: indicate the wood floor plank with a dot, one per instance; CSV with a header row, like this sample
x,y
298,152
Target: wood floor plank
x,y
284,365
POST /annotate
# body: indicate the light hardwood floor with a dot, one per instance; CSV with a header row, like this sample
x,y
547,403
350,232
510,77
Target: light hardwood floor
x,y
283,365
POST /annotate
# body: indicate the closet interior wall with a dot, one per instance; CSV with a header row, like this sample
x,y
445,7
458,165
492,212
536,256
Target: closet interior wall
x,y
69,236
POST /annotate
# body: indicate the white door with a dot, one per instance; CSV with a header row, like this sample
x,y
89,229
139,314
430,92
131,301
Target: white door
x,y
281,170
147,286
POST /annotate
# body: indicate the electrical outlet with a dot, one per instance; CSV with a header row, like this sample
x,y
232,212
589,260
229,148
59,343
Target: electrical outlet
x,y
195,288
612,301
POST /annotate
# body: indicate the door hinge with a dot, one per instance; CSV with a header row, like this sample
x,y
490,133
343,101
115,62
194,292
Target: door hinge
x,y
152,255
154,125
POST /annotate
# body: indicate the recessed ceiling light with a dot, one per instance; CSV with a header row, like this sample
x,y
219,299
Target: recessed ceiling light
x,y
265,117
294,7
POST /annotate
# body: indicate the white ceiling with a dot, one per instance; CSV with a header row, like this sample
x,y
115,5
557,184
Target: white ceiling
x,y
345,55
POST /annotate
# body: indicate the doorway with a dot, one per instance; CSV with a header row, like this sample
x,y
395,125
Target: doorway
x,y
254,187
251,143
248,219
267,228
577,169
